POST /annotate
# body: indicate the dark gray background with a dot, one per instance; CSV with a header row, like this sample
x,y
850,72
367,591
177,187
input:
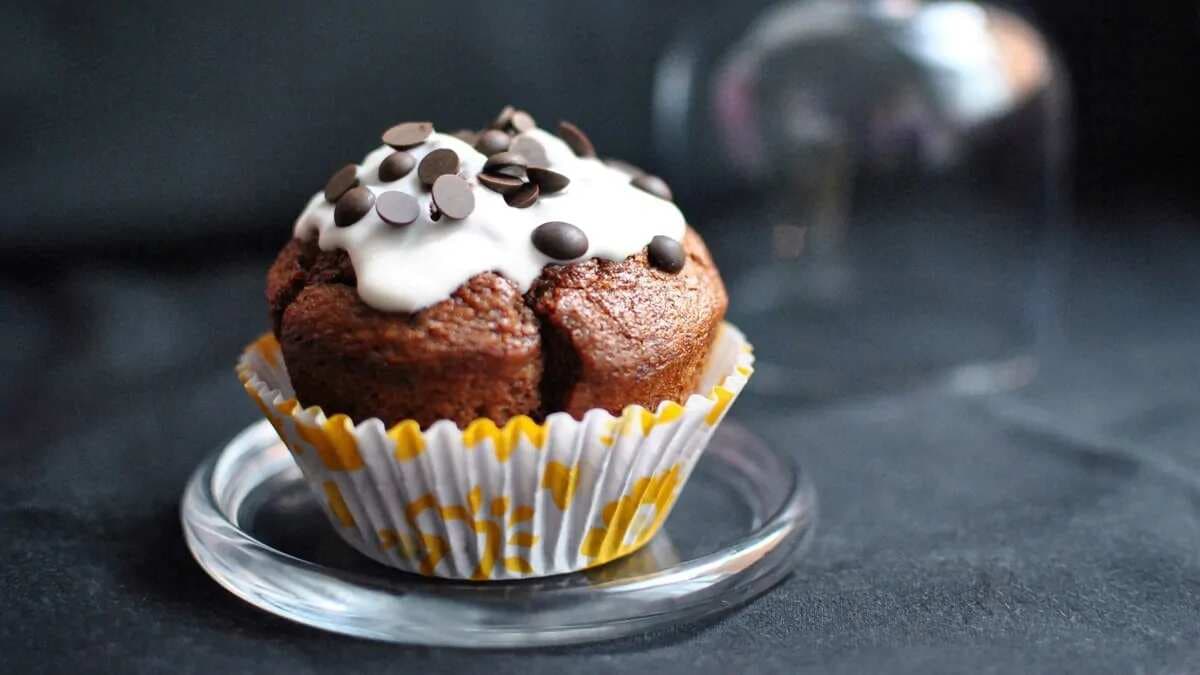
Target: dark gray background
x,y
154,154
125,123
1055,529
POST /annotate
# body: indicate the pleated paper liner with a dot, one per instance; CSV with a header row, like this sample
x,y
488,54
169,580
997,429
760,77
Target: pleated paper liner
x,y
522,500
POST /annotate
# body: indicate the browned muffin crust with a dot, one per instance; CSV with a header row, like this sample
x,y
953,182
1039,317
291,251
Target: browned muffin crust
x,y
629,333
596,333
302,264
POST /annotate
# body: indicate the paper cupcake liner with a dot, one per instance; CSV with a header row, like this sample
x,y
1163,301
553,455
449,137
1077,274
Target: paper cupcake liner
x,y
526,499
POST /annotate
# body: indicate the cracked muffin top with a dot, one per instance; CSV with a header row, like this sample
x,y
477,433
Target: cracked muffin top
x,y
492,273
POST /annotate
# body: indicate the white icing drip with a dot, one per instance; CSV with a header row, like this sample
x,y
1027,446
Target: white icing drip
x,y
407,268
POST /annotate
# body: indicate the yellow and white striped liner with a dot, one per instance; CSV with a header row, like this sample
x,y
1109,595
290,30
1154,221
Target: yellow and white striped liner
x,y
488,502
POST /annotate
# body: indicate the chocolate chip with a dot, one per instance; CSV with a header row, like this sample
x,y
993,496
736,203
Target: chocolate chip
x,y
492,141
666,254
522,121
502,160
504,118
576,139
652,184
531,150
513,171
505,164
437,163
548,181
407,134
453,197
559,240
352,206
624,167
500,183
523,197
397,208
345,178
396,166
466,136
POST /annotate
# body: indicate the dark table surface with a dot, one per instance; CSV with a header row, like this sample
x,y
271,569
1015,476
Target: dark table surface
x,y
1054,528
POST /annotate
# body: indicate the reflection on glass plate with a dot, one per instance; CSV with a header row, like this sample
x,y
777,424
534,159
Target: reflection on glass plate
x,y
252,524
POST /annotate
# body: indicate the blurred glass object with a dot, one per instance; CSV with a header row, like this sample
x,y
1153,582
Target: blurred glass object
x,y
899,167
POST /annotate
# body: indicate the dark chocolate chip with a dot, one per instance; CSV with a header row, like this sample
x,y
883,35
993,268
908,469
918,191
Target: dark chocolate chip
x,y
513,171
352,206
624,167
549,181
396,166
559,240
652,184
666,254
397,208
492,141
531,150
523,197
522,121
576,139
502,160
345,178
453,197
505,164
504,118
466,136
499,182
437,163
407,134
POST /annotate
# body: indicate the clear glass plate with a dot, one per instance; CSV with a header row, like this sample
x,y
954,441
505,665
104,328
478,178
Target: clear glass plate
x,y
252,524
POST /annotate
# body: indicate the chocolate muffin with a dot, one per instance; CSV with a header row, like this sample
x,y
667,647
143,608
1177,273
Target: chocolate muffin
x,y
492,274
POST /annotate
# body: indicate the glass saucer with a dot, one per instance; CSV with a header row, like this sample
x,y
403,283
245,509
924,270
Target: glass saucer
x,y
252,524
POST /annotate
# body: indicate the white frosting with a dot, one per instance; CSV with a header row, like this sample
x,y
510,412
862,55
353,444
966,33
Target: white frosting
x,y
407,268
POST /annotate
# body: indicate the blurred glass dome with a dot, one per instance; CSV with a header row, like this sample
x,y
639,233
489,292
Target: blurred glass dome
x,y
899,169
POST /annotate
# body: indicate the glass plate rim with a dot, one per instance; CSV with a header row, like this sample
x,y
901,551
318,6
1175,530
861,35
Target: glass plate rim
x,y
559,611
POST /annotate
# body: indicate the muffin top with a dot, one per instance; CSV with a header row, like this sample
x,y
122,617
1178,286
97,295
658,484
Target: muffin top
x,y
427,211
